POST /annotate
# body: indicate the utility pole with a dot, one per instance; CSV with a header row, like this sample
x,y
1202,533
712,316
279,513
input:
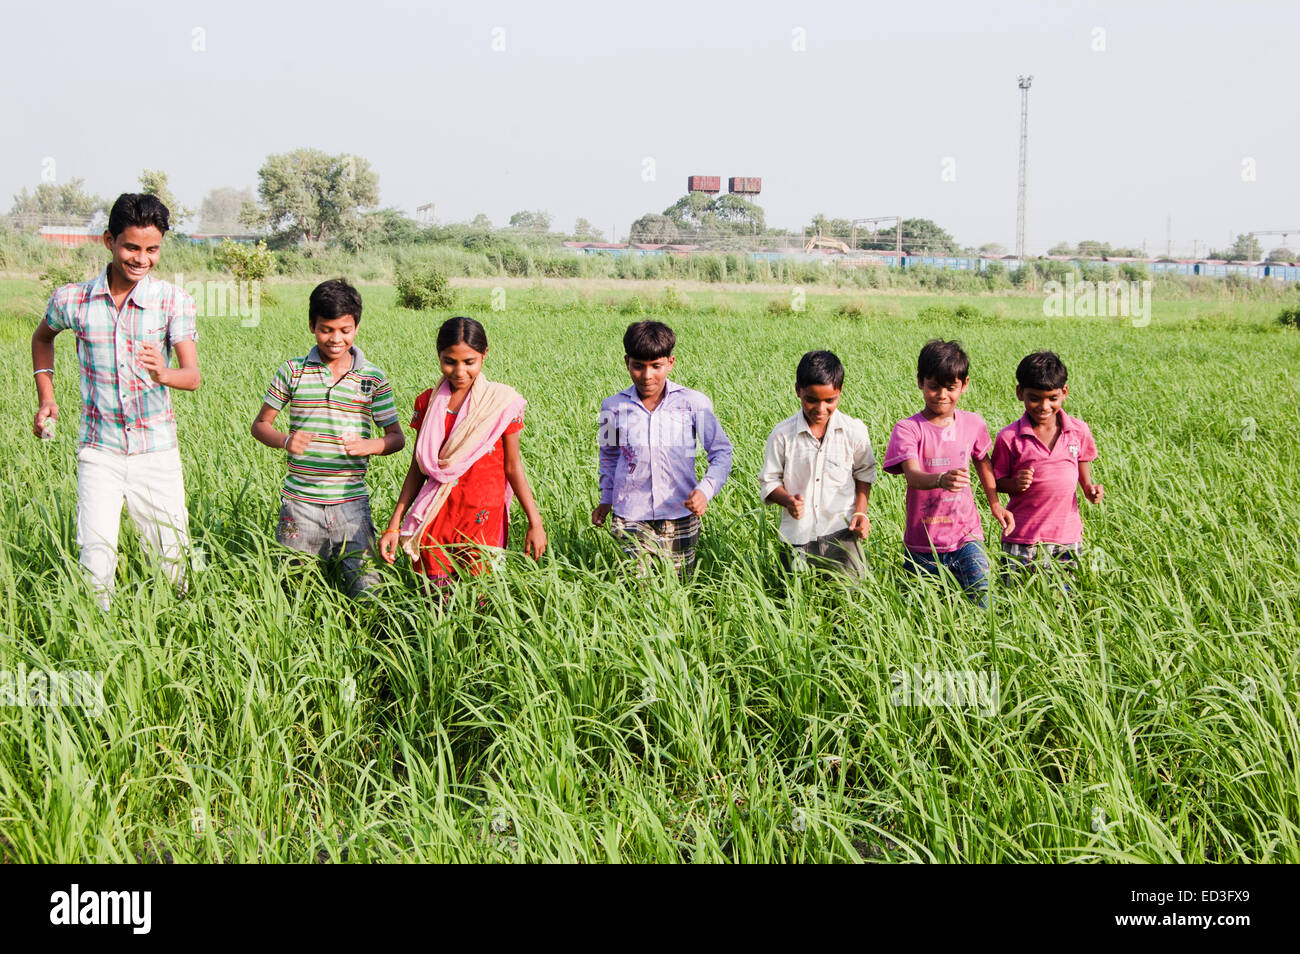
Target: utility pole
x,y
1023,82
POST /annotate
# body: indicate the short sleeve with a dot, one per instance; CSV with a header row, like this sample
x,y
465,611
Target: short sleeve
x,y
517,425
280,391
383,408
772,475
904,444
421,407
1087,446
59,313
1002,460
864,458
980,442
181,322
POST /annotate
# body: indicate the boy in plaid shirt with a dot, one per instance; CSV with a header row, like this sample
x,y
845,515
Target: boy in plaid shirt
x,y
127,325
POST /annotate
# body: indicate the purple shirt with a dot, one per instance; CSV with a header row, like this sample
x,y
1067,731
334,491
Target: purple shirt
x,y
1048,512
647,458
943,519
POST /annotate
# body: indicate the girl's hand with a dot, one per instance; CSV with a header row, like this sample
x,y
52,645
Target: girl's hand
x,y
388,546
535,542
1024,479
1094,493
600,513
860,525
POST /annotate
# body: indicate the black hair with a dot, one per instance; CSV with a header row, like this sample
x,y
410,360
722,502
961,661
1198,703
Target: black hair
x,y
1041,371
139,209
944,361
461,329
649,341
333,299
819,367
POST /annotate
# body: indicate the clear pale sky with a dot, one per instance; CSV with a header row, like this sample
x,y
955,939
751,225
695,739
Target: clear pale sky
x,y
1161,123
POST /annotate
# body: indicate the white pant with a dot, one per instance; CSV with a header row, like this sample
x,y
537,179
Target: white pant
x,y
154,490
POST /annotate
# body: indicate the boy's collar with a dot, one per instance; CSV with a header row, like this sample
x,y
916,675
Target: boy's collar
x,y
835,422
313,356
669,387
100,286
1027,426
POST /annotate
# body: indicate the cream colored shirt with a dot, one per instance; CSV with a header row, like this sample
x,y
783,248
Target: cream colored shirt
x,y
823,471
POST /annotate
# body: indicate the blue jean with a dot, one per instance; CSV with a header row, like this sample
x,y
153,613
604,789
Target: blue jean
x,y
343,532
970,565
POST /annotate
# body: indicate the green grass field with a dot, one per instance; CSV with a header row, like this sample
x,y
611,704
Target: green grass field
x,y
583,716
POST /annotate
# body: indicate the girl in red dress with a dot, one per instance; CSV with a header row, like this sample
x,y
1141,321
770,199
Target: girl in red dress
x,y
456,496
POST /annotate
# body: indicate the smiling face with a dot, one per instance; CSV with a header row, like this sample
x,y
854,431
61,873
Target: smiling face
x,y
334,336
135,251
649,376
1042,406
941,399
818,401
461,364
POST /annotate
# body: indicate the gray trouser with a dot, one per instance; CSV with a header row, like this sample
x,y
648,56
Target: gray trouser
x,y
839,551
343,532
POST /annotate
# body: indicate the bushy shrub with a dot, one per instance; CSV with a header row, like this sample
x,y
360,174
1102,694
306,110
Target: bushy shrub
x,y
674,300
1289,317
422,287
247,263
60,273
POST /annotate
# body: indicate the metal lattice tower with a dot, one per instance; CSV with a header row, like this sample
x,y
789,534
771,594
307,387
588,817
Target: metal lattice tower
x,y
1023,82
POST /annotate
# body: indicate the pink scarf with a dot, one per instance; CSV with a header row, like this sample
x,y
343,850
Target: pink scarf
x,y
487,411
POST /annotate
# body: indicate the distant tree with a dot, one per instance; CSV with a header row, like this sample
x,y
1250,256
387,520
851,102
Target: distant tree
x,y
538,221
584,231
654,229
738,212
1061,248
480,221
992,248
831,228
692,211
154,182
69,202
1281,254
920,237
1247,248
382,227
312,196
1090,248
219,212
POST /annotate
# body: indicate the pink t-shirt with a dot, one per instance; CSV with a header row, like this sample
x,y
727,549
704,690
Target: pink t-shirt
x,y
940,519
1048,512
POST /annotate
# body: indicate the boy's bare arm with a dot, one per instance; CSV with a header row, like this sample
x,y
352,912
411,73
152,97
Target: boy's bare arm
x,y
793,504
183,378
1093,492
295,442
984,470
43,366
391,442
920,479
860,523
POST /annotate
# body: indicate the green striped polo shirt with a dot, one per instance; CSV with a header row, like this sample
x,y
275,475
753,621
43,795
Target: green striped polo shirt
x,y
330,409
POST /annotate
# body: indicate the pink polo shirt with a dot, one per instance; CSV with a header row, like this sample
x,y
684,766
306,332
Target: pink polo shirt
x,y
1048,512
940,519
